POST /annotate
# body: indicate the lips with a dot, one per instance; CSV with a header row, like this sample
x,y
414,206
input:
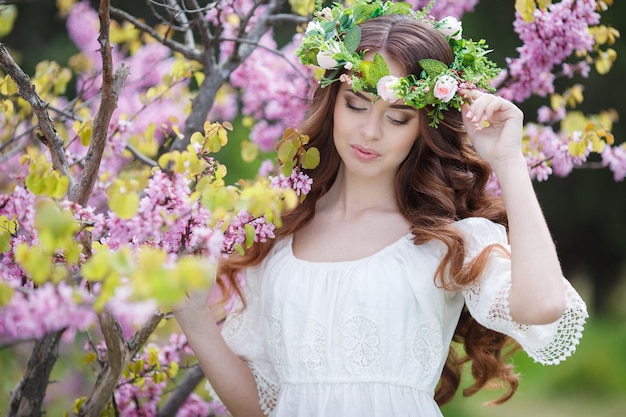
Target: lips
x,y
363,153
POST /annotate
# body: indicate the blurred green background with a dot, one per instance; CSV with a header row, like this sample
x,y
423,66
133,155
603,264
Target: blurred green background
x,y
586,212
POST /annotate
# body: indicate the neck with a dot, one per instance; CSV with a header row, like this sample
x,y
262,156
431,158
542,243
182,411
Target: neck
x,y
353,195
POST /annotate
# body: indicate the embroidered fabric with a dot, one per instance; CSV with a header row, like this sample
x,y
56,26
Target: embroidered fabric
x,y
370,337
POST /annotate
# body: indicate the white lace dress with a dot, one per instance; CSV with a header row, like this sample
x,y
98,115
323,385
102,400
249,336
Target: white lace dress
x,y
370,337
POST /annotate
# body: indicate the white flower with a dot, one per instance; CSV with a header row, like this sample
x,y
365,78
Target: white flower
x,y
314,26
386,88
325,60
445,88
325,14
451,27
348,65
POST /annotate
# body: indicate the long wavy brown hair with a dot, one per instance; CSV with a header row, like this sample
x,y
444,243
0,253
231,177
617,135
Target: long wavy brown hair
x,y
442,180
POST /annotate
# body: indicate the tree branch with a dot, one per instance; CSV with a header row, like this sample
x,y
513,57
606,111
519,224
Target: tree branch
x,y
27,397
199,22
189,53
272,50
143,158
182,391
286,18
111,87
202,103
52,139
141,336
117,359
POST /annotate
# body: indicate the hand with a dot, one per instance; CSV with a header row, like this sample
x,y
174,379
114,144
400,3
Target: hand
x,y
494,126
193,301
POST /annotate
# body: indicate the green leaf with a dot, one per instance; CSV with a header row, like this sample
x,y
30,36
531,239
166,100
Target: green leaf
x,y
287,151
287,168
250,234
399,8
433,67
8,15
374,70
123,200
97,266
352,38
249,151
6,293
311,158
363,12
34,261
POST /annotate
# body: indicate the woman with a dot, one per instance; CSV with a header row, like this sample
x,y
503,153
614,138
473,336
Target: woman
x,y
352,309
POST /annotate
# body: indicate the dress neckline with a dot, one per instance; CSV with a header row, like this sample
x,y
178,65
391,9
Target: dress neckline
x,y
292,255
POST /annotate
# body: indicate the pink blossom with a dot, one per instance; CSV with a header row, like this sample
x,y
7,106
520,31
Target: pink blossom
x,y
386,88
33,313
445,88
615,158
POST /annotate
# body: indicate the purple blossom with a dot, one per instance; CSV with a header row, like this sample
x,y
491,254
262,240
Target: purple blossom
x,y
235,233
443,8
298,181
33,313
615,158
553,36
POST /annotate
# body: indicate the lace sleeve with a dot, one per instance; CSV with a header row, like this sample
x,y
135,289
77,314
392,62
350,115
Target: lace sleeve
x,y
487,301
244,332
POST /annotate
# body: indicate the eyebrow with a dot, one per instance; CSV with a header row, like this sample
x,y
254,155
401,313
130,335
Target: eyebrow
x,y
393,106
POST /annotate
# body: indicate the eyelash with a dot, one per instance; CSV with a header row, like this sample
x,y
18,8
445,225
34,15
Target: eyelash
x,y
359,109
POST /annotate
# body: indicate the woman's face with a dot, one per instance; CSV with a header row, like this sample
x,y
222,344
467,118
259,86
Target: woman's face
x,y
373,136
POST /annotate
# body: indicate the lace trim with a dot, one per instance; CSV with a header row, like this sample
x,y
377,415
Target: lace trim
x,y
567,334
313,346
427,349
276,342
268,392
360,341
547,344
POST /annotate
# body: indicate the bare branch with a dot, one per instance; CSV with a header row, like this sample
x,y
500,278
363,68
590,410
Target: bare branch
x,y
143,158
181,17
272,50
286,18
141,336
199,22
111,87
189,53
202,103
180,394
27,397
117,359
27,91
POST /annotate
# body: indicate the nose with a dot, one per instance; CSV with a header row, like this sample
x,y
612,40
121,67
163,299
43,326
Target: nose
x,y
371,128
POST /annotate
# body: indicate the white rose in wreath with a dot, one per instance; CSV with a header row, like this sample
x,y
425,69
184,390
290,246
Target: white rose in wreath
x,y
451,27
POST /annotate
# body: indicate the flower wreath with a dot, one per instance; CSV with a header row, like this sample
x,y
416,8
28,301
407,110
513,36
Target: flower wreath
x,y
333,36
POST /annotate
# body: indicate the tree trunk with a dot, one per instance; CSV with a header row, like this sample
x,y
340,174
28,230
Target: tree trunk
x,y
28,395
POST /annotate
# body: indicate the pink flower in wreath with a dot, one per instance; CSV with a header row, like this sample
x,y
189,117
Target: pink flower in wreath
x,y
445,88
386,88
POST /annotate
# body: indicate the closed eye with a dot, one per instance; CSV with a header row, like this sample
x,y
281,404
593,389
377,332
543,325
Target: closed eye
x,y
397,122
354,108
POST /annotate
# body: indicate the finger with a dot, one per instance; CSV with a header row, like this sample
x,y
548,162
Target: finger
x,y
481,111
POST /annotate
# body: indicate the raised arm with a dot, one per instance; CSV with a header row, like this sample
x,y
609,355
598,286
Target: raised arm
x,y
228,374
537,294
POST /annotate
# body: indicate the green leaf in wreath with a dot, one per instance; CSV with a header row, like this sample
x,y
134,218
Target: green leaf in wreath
x,y
399,8
363,12
374,70
352,39
433,67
